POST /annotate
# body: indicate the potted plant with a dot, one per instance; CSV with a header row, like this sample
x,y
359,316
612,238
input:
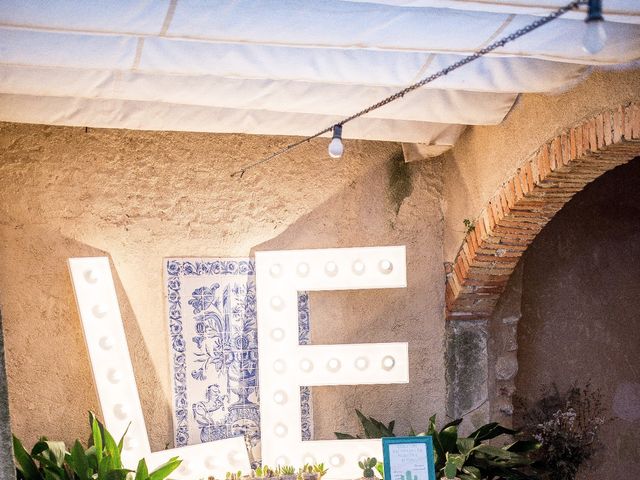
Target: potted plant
x,y
288,472
367,465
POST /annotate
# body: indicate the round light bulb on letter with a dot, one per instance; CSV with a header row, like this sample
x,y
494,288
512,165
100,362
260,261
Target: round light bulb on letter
x,y
114,376
280,397
306,365
331,268
106,343
303,269
388,362
100,310
121,411
279,366
362,363
386,266
333,365
90,276
358,267
275,270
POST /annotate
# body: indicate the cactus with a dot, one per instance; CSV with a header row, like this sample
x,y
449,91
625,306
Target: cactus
x,y
367,467
288,470
320,470
408,476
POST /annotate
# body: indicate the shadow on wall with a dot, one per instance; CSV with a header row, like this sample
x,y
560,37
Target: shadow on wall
x,y
50,382
580,304
392,203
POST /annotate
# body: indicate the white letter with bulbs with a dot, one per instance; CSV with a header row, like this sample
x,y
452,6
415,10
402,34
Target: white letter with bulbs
x,y
285,365
116,384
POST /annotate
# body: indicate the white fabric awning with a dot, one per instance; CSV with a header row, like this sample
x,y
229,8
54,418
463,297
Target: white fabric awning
x,y
285,67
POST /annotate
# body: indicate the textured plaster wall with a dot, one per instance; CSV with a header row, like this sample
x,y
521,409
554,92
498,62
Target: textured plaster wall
x,y
580,304
141,196
487,156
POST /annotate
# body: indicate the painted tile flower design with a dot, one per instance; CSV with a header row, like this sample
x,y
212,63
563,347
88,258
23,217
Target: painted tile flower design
x,y
214,344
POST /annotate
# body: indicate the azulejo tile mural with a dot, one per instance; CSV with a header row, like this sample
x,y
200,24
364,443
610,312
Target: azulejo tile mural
x,y
211,307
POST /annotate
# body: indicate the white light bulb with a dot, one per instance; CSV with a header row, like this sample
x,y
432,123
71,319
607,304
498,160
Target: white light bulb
x,y
594,37
335,147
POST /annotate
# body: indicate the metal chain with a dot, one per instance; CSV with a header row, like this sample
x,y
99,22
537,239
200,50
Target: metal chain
x,y
396,96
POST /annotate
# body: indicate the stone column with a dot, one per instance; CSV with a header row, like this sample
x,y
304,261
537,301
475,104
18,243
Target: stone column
x,y
7,468
467,372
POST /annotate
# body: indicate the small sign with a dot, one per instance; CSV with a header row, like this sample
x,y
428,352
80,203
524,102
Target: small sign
x,y
408,458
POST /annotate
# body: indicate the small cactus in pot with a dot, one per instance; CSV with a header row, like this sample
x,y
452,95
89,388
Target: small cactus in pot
x,y
308,473
288,472
367,465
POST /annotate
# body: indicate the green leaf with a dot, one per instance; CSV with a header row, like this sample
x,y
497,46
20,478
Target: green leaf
x,y
104,468
473,472
25,463
97,438
465,445
112,450
456,459
344,436
121,442
453,423
142,472
450,470
79,462
164,470
493,451
55,452
491,430
118,474
448,439
524,446
431,430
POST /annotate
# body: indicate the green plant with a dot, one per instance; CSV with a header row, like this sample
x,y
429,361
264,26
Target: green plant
x,y
367,465
468,458
372,428
468,225
101,461
380,469
288,470
320,470
567,425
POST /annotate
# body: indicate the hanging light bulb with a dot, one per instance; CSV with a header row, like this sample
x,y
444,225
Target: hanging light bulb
x,y
335,147
595,35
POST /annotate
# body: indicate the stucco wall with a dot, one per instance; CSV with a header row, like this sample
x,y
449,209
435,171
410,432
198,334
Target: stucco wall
x,y
487,156
141,196
580,304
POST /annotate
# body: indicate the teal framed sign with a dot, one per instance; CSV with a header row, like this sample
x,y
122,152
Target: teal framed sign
x,y
408,458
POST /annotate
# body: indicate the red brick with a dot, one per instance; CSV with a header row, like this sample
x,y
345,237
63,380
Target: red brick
x,y
608,138
593,141
600,131
572,144
527,169
511,193
618,125
635,125
564,144
579,146
627,123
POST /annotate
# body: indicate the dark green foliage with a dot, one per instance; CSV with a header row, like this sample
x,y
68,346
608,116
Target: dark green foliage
x,y
372,428
101,461
468,458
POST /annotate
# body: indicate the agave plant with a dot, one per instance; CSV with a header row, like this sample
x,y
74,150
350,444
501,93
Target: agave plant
x,y
101,461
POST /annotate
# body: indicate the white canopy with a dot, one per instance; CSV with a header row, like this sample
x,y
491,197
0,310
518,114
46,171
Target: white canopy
x,y
290,67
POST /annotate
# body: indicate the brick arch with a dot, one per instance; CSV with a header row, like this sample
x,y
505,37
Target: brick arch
x,y
524,204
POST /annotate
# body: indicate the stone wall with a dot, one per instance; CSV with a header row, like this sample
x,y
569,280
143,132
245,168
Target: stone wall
x,y
580,304
140,196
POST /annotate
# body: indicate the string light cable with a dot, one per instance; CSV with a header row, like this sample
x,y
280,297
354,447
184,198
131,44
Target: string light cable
x,y
593,42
